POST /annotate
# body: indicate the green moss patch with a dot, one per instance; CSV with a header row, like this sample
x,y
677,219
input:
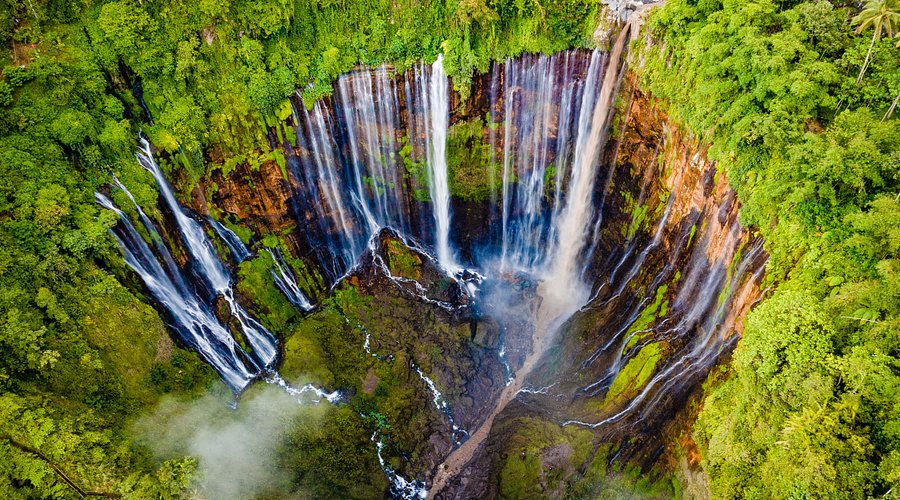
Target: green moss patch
x,y
541,458
402,261
636,373
657,309
270,305
469,161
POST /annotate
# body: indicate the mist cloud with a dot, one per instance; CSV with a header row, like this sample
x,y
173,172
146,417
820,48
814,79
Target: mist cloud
x,y
236,449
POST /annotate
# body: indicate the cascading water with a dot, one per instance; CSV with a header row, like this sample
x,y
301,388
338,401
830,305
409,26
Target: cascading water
x,y
357,178
190,304
537,154
190,316
236,247
287,283
573,224
207,264
350,169
369,113
375,155
561,290
321,177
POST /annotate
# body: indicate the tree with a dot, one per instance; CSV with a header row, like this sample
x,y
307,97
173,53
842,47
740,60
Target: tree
x,y
882,16
890,110
123,25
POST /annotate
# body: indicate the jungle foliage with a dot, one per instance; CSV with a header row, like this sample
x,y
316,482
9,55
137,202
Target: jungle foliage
x,y
806,134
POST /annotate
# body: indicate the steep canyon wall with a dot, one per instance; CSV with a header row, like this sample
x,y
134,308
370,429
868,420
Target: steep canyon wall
x,y
667,270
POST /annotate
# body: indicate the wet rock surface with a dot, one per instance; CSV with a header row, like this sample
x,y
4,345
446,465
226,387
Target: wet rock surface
x,y
420,311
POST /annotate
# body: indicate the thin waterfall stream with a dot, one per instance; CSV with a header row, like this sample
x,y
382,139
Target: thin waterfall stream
x,y
190,304
438,110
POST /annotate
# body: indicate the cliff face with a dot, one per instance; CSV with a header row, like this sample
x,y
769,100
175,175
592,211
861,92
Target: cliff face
x,y
258,197
672,274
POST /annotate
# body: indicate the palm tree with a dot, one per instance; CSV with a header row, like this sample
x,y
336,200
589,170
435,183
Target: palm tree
x,y
881,15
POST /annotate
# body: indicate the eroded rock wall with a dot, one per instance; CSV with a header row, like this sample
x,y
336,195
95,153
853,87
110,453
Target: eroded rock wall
x,y
673,275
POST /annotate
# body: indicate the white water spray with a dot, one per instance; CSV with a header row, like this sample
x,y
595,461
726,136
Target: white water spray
x,y
287,283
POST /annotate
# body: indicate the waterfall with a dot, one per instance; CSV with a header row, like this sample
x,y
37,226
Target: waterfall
x,y
287,283
374,155
573,223
544,106
352,176
188,303
369,114
190,316
547,241
349,164
236,247
207,264
547,187
702,305
195,239
400,487
320,173
438,116
441,405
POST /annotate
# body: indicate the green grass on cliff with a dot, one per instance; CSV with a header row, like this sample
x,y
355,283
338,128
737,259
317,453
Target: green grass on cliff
x,y
469,161
402,261
269,304
648,316
540,459
635,374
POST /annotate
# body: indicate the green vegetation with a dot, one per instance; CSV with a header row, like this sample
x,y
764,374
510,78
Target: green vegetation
x,y
416,171
333,458
658,309
217,76
883,16
255,282
541,457
797,110
402,261
797,107
544,460
81,355
469,161
622,481
326,348
639,215
635,374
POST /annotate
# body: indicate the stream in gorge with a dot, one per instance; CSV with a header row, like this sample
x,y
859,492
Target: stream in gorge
x,y
617,284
